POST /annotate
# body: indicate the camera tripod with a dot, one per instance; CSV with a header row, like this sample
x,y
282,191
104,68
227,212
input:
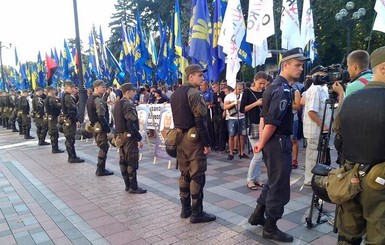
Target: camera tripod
x,y
323,157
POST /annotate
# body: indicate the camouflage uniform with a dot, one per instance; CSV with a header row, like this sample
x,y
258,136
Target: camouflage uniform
x,y
40,119
53,109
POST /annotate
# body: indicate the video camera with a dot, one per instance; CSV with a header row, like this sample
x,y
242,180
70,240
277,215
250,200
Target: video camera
x,y
335,72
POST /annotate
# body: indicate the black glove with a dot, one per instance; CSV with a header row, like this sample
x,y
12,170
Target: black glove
x,y
103,122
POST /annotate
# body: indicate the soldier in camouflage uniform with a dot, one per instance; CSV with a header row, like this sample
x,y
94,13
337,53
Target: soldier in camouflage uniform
x,y
98,114
128,138
25,115
40,117
6,113
19,113
53,109
70,112
13,115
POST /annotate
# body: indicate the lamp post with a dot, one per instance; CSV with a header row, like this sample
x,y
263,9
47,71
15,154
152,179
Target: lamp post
x,y
350,19
1,63
82,89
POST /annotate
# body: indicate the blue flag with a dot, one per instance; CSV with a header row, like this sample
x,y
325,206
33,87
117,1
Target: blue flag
x,y
218,57
200,28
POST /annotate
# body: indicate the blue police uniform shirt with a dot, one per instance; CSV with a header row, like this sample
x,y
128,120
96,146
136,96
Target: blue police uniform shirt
x,y
277,106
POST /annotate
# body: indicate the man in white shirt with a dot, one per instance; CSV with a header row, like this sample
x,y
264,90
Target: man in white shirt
x,y
315,101
236,122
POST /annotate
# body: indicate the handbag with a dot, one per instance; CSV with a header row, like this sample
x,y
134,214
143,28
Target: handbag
x,y
233,111
254,131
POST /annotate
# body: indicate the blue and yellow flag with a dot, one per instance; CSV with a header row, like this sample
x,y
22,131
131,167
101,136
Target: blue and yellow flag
x,y
141,52
162,65
93,58
218,57
200,28
40,71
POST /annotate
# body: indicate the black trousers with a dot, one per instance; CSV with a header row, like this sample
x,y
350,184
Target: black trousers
x,y
276,193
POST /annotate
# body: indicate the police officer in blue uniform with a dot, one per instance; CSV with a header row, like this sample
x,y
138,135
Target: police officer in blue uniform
x,y
276,146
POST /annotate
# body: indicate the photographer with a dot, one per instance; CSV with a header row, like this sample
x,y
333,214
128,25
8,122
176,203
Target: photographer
x,y
315,100
358,68
361,125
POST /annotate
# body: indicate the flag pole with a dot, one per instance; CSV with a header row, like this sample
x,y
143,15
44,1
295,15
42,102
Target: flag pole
x,y
82,90
371,31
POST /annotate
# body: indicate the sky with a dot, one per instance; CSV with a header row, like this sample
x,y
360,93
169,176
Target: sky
x,y
41,25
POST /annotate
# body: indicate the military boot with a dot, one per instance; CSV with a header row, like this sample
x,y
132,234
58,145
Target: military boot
x,y
101,168
73,158
27,134
134,189
271,231
258,216
186,207
21,129
55,149
123,171
42,142
197,215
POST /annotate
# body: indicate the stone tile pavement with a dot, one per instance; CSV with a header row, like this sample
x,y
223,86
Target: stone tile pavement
x,y
45,200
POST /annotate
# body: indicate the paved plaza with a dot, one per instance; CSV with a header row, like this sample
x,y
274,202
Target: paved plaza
x,y
45,200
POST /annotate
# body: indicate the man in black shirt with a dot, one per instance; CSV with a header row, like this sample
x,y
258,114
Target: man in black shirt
x,y
276,146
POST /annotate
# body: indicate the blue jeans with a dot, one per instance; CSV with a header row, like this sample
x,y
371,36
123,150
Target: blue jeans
x,y
254,171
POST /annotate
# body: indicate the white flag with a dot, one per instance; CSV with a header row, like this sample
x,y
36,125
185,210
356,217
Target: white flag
x,y
232,32
379,23
260,53
260,22
307,24
290,25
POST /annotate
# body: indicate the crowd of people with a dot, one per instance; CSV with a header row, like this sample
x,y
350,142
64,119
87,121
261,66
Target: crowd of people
x,y
265,118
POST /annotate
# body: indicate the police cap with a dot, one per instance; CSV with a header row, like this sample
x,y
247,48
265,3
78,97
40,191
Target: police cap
x,y
377,57
191,69
98,83
295,53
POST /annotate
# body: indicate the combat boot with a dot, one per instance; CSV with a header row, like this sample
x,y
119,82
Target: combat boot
x,y
42,142
271,231
186,207
73,158
123,171
258,216
55,151
101,168
27,135
197,215
134,189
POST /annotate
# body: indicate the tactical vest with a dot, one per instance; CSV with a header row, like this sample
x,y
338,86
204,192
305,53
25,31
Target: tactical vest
x,y
63,106
362,118
24,105
92,115
120,122
53,111
181,112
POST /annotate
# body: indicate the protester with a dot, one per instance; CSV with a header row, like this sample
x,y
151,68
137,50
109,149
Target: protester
x,y
251,105
236,122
